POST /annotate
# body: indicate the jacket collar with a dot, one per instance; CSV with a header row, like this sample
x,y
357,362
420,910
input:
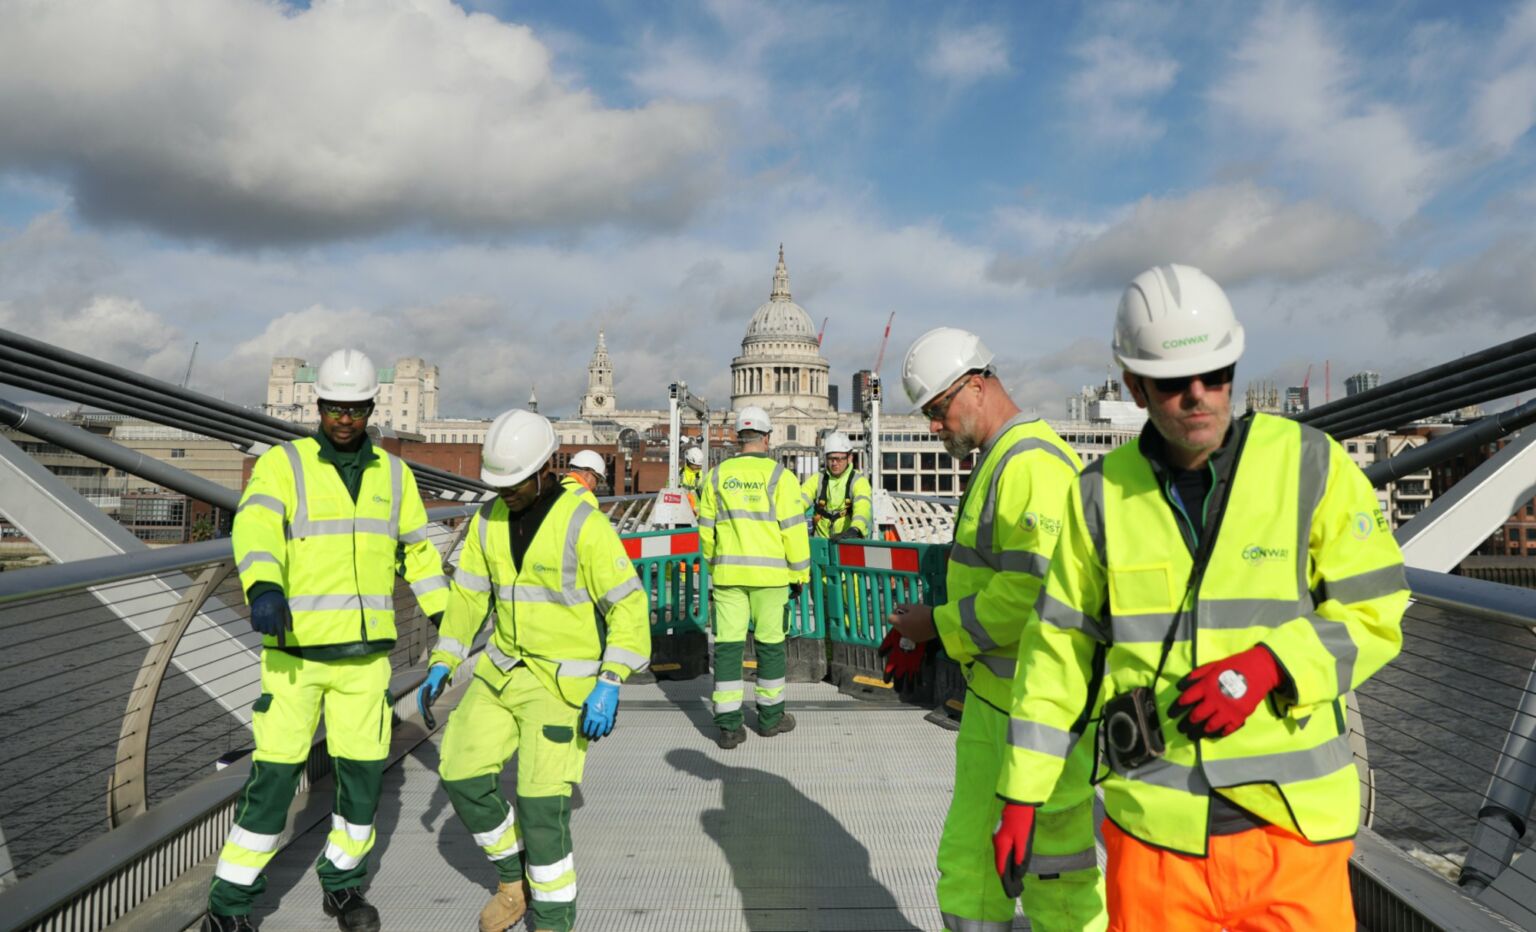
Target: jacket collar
x,y
328,452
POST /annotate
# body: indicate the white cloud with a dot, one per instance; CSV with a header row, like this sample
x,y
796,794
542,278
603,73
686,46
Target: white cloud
x,y
1238,233
964,56
1493,287
247,121
111,328
1296,89
1504,106
1110,91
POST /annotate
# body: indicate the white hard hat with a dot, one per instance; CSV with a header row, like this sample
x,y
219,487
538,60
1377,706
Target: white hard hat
x,y
588,459
753,418
937,359
1175,320
518,445
694,456
837,442
347,375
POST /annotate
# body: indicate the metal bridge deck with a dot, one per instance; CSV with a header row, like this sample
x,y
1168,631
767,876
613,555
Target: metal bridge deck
x,y
831,827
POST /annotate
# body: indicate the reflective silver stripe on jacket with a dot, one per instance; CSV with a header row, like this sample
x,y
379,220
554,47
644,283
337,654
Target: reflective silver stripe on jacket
x,y
301,526
414,537
618,593
500,659
986,523
452,646
333,603
255,557
953,923
768,562
579,668
1042,739
1001,667
471,582
269,502
396,491
973,625
430,584
628,658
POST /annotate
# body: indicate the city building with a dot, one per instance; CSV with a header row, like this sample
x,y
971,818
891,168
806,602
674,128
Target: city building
x,y
1298,399
1361,382
1408,495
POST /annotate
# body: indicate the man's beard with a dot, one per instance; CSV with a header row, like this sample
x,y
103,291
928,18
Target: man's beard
x,y
958,446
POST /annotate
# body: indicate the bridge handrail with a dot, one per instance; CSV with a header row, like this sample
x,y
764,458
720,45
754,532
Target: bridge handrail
x,y
39,581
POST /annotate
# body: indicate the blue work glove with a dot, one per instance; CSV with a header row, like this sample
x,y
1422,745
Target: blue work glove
x,y
437,681
270,615
600,709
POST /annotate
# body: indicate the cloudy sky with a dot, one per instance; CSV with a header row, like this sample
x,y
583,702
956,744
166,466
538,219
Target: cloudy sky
x,y
487,184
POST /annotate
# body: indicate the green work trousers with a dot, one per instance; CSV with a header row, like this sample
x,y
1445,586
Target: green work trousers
x,y
354,695
736,609
483,733
1063,889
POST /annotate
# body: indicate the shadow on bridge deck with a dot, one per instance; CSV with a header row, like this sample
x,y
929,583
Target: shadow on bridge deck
x,y
832,827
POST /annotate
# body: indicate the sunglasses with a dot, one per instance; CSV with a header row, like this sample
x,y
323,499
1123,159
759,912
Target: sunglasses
x,y
358,412
1178,383
939,409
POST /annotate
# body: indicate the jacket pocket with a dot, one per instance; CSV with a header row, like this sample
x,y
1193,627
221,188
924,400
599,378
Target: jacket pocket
x,y
263,703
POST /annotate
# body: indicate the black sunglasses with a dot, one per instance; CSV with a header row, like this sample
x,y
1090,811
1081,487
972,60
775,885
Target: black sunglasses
x,y
358,412
1178,383
938,409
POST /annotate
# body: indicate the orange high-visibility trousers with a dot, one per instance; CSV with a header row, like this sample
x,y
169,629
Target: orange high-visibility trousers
x,y
1262,880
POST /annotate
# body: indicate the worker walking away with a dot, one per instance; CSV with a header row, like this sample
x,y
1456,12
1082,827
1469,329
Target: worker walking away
x,y
316,539
1005,531
548,681
1233,580
586,472
838,497
752,531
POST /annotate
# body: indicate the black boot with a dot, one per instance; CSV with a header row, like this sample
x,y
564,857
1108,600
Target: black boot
x,y
784,725
213,922
730,739
351,911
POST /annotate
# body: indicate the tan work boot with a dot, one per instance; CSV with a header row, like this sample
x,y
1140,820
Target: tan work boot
x,y
506,908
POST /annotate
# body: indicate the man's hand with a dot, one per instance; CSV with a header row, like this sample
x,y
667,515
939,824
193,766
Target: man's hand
x,y
1011,843
1218,697
437,681
270,614
915,622
600,709
795,588
903,659
851,533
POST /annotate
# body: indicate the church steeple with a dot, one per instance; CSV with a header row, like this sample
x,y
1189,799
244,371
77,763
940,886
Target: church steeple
x,y
533,400
599,400
780,279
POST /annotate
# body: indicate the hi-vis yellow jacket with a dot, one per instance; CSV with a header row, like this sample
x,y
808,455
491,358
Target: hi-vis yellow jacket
x,y
1005,530
691,478
1303,562
575,487
572,609
848,499
752,525
298,528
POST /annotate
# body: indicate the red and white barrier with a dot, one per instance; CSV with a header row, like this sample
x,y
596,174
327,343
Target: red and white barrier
x,y
899,559
662,545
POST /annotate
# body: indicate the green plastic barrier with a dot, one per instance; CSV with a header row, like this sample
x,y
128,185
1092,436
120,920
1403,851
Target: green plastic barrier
x,y
862,582
676,580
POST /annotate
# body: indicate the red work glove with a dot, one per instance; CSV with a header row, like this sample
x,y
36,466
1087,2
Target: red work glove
x,y
903,659
1220,696
1011,843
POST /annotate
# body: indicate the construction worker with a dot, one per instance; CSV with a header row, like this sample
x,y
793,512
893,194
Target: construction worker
x,y
316,537
548,681
752,531
586,471
1005,531
693,469
837,497
1221,586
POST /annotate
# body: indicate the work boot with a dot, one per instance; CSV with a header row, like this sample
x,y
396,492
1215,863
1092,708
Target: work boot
x,y
506,908
213,922
351,912
728,739
784,725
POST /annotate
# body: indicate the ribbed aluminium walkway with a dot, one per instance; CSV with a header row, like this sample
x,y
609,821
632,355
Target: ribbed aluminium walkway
x,y
831,827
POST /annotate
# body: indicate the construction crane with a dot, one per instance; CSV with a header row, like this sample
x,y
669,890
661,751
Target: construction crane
x,y
823,331
884,340
190,360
